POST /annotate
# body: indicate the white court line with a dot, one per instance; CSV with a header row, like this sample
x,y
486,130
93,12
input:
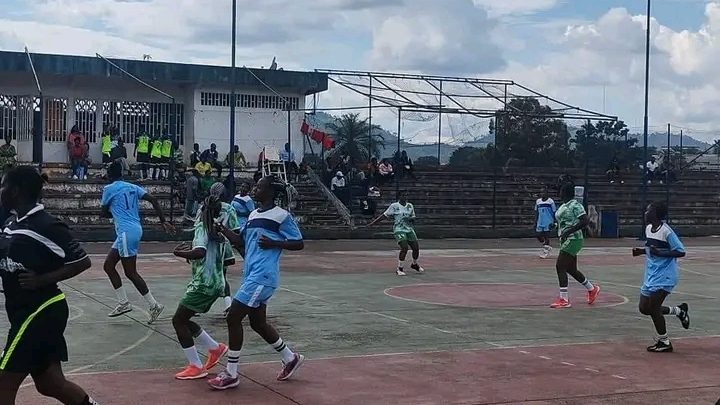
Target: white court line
x,y
567,364
683,268
79,313
545,357
624,301
592,370
674,291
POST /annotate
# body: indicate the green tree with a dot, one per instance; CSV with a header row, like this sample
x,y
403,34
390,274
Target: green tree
x,y
528,131
352,137
471,158
600,143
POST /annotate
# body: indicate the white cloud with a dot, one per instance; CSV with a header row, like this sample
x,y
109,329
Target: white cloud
x,y
505,7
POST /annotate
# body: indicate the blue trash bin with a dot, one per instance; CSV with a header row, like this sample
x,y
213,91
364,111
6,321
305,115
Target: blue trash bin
x,y
609,224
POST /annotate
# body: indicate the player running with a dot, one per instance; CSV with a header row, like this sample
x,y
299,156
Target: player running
x,y
545,212
206,254
403,214
269,230
662,249
243,204
571,219
37,251
120,201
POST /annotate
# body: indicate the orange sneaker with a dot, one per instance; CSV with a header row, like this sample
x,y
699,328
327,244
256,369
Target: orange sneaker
x,y
192,372
214,356
561,303
592,294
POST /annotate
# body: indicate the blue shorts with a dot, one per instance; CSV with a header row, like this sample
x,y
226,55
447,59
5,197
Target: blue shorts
x,y
648,290
253,295
127,243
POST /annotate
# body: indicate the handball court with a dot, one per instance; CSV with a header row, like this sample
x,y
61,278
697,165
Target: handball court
x,y
475,328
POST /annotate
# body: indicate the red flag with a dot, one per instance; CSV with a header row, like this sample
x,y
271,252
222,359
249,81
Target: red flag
x,y
328,143
305,128
317,136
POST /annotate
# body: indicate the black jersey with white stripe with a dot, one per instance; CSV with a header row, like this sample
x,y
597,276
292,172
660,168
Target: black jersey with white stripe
x,y
38,242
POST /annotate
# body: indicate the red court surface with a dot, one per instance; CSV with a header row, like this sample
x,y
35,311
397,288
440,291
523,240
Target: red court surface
x,y
620,373
494,295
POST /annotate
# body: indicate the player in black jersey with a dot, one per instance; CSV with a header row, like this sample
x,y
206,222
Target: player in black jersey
x,y
36,252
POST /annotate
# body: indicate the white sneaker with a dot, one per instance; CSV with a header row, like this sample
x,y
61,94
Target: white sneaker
x,y
74,177
545,252
121,308
155,312
400,272
417,268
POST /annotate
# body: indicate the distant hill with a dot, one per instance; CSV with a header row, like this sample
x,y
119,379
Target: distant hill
x,y
655,140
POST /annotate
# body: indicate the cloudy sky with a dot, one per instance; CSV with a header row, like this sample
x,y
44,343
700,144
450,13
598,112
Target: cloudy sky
x,y
575,50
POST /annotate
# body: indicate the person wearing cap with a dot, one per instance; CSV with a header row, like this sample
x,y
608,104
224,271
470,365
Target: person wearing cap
x,y
338,185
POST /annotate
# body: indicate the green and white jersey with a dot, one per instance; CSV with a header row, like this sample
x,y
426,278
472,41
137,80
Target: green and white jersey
x,y
567,216
402,216
228,217
207,273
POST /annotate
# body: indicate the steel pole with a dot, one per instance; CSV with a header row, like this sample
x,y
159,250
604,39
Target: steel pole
x,y
233,101
645,123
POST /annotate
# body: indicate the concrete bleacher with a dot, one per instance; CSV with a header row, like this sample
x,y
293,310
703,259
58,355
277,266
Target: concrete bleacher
x,y
77,202
460,204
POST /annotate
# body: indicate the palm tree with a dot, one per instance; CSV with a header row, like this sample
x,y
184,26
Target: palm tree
x,y
352,137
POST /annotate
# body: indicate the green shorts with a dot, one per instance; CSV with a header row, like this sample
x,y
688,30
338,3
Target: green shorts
x,y
571,247
198,302
405,236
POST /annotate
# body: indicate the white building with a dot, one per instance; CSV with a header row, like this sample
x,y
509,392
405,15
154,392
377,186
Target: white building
x,y
90,92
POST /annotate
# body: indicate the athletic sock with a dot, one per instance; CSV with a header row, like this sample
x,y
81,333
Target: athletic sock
x,y
88,401
284,350
150,299
193,357
401,264
588,285
564,293
675,311
232,364
228,302
663,338
206,340
121,295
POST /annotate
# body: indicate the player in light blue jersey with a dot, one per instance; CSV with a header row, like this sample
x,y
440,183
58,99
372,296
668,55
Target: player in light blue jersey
x,y
269,230
243,204
121,202
662,249
545,212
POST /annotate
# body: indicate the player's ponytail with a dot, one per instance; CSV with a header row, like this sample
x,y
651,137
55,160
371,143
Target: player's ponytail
x,y
210,212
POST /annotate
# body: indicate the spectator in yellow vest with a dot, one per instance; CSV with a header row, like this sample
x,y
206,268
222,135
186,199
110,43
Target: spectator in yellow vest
x,y
142,151
156,156
166,152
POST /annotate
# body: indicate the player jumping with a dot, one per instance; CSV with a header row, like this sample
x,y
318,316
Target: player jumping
x,y
269,231
206,255
545,212
662,249
403,214
120,201
571,219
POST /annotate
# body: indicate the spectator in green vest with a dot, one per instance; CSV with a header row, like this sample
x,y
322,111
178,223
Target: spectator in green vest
x,y
106,145
166,152
156,156
142,151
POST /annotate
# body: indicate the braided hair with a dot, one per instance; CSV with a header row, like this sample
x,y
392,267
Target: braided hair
x,y
211,210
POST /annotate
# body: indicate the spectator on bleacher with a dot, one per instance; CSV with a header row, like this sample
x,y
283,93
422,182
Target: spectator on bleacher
x,y
142,151
119,154
651,170
372,170
166,154
74,134
291,168
613,172
386,172
240,162
211,156
7,153
77,159
156,160
339,187
668,171
407,165
192,194
206,182
203,167
195,155
86,159
106,144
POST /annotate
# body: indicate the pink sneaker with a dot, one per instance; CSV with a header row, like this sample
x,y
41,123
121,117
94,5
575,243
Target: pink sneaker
x,y
224,381
593,294
291,368
214,356
560,303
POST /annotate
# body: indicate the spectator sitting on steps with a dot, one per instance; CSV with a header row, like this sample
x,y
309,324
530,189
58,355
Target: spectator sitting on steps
x,y
385,170
203,167
195,155
7,153
211,156
72,136
651,170
338,185
239,162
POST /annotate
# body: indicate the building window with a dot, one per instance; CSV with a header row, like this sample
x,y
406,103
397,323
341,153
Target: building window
x,y
55,119
85,118
249,101
8,116
130,117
